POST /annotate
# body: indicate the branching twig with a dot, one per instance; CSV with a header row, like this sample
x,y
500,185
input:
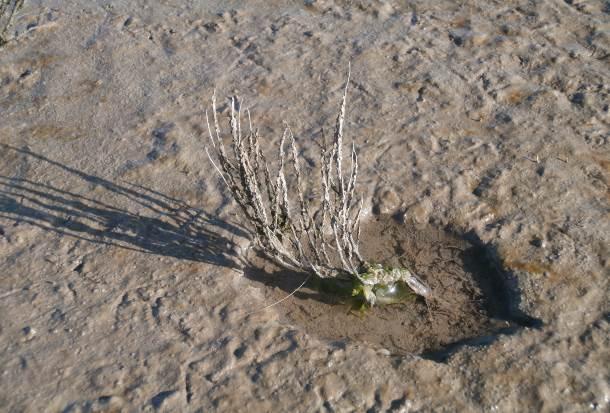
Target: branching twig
x,y
285,230
318,238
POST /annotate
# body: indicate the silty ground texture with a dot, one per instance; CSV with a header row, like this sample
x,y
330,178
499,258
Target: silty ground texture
x,y
121,285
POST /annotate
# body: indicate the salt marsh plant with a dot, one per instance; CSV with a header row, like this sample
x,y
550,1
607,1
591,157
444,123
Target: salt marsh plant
x,y
8,8
319,237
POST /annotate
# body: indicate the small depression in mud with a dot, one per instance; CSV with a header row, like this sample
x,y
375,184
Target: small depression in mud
x,y
474,300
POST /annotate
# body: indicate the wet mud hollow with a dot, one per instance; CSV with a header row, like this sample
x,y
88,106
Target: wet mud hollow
x,y
474,300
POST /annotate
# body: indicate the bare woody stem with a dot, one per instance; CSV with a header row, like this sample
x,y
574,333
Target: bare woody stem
x,y
319,237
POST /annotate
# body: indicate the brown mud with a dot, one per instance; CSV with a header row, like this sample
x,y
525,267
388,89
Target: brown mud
x,y
471,301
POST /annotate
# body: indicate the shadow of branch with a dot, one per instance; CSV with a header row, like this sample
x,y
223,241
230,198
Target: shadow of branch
x,y
167,226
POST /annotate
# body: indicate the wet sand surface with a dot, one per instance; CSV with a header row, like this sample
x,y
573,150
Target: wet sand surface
x,y
481,127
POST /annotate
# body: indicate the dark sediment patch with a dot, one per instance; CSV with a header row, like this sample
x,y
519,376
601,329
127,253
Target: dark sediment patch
x,y
474,300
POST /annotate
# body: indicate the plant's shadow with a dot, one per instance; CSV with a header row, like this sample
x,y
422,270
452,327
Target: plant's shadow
x,y
289,282
163,226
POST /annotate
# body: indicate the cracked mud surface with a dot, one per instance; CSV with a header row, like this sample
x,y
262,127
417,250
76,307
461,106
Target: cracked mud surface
x,y
121,255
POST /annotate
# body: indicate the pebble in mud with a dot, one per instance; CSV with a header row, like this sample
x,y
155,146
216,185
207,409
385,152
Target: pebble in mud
x,y
538,242
386,203
418,213
28,333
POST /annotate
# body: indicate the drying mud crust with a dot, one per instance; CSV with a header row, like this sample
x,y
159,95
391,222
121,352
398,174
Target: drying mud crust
x,y
470,301
122,285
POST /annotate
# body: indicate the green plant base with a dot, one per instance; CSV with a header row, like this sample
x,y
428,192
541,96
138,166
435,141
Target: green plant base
x,y
362,295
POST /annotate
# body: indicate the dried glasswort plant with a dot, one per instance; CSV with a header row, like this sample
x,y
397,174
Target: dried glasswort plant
x,y
8,8
319,238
